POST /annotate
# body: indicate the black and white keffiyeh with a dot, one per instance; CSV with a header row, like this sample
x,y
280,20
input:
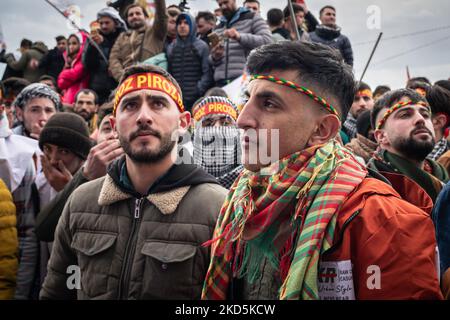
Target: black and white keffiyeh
x,y
439,149
217,151
37,90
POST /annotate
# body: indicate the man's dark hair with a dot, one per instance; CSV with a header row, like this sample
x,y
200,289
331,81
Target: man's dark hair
x,y
144,68
390,98
25,43
252,1
319,67
380,90
418,85
136,5
104,110
326,7
362,86
419,79
275,17
208,16
87,91
48,77
296,7
443,84
439,100
216,92
363,123
60,38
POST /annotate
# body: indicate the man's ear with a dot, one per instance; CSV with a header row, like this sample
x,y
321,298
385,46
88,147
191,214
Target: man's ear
x,y
19,114
439,121
327,128
185,122
381,137
112,122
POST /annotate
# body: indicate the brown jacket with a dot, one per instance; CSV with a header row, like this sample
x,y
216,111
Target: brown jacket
x,y
135,46
130,248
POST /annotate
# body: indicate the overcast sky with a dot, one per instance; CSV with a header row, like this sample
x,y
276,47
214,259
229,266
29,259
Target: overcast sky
x,y
425,54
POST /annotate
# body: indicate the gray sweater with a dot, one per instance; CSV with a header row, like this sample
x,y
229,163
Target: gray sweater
x,y
254,32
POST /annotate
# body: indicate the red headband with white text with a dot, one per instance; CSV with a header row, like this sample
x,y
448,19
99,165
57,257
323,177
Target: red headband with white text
x,y
150,81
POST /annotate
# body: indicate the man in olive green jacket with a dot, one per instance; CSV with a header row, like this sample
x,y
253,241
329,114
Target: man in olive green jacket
x,y
137,233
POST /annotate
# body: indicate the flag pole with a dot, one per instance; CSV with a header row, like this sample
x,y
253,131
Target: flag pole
x,y
371,55
293,20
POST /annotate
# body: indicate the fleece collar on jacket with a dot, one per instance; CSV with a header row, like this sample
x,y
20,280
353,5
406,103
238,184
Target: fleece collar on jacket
x,y
165,194
166,202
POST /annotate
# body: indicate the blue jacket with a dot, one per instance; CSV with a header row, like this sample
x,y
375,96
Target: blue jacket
x,y
189,64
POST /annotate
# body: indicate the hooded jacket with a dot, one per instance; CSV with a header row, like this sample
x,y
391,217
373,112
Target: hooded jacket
x,y
254,32
36,52
101,81
188,63
130,246
76,77
333,38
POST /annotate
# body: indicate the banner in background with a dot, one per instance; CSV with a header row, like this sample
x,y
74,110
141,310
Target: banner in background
x,y
71,10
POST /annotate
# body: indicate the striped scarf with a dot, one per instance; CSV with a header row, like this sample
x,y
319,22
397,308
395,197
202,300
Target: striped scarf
x,y
288,217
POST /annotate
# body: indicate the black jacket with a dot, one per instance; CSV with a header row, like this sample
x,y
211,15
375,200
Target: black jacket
x,y
100,81
334,38
52,63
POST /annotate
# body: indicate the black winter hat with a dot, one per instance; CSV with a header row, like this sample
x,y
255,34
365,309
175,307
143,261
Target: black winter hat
x,y
67,130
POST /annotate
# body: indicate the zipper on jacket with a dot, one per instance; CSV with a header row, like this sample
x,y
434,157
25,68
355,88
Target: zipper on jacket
x,y
130,249
341,233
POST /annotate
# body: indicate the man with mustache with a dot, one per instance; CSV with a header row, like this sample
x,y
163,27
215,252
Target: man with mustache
x,y
313,221
362,101
403,125
141,41
86,106
137,233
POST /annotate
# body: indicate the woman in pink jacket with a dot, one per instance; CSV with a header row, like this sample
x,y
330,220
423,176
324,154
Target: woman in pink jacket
x,y
74,76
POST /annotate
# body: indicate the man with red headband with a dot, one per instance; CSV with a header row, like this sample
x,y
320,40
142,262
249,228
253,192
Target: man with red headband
x,y
313,222
362,101
137,232
403,125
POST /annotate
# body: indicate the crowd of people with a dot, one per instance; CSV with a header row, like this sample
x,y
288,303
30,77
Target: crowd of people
x,y
127,172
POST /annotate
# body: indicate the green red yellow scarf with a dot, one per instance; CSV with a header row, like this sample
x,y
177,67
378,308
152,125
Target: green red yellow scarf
x,y
301,201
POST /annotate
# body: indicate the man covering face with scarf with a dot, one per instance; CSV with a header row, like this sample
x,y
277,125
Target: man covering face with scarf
x,y
286,228
216,139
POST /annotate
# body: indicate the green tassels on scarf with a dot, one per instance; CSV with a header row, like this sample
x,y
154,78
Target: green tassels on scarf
x,y
290,221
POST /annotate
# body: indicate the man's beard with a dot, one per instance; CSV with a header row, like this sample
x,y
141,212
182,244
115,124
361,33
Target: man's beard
x,y
136,24
87,116
228,13
414,149
144,155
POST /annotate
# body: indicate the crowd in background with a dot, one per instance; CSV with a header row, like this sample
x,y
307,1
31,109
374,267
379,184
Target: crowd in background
x,y
56,134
